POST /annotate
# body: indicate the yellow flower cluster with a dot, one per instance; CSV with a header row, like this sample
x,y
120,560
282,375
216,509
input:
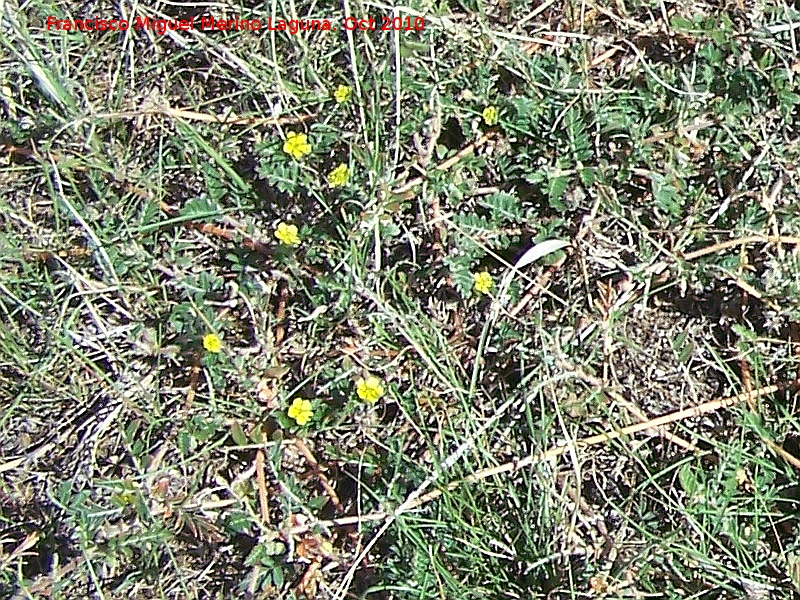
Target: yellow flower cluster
x,y
297,146
370,390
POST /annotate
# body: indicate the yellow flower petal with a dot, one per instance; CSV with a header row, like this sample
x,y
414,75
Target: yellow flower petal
x,y
369,389
212,342
301,411
483,282
491,115
343,93
297,144
287,233
339,176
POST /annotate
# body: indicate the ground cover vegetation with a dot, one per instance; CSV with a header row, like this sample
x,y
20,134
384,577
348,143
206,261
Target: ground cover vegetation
x,y
390,314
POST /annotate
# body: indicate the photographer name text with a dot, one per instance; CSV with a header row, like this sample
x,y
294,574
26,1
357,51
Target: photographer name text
x,y
291,26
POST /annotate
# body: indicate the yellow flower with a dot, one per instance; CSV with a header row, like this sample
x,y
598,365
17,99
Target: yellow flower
x,y
491,115
338,177
343,93
212,342
741,476
369,389
297,144
287,233
483,282
301,411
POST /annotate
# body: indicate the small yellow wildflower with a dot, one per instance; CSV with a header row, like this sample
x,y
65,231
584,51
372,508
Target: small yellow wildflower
x,y
338,177
741,476
491,115
297,144
212,342
287,233
301,411
369,389
483,282
343,93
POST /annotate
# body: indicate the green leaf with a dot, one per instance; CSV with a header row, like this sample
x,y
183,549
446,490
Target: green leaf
x,y
461,274
318,502
588,176
277,576
665,194
688,480
556,186
504,206
238,434
256,556
238,522
681,24
579,141
214,154
204,429
185,442
64,492
214,183
200,209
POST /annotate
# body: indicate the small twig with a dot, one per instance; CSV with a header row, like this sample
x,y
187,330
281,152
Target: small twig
x,y
744,365
280,312
538,286
487,191
435,132
607,436
45,255
44,583
768,203
557,451
739,187
191,115
790,458
437,222
106,264
750,239
752,291
629,405
326,484
379,515
600,59
261,480
22,549
439,231
183,113
535,12
642,59
194,376
747,381
544,278
231,235
464,152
